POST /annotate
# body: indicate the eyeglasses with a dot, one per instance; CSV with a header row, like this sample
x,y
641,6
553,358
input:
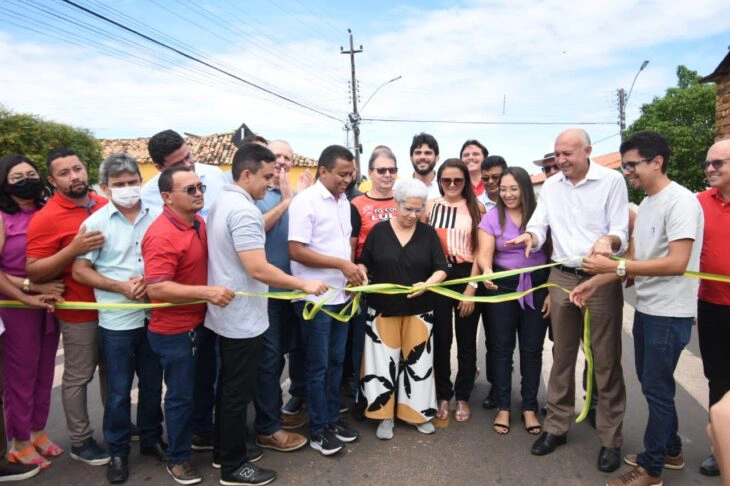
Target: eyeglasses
x,y
550,168
192,190
716,164
630,165
416,211
383,170
487,178
452,181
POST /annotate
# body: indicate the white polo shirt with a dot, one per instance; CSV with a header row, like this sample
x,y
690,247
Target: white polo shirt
x,y
323,224
579,214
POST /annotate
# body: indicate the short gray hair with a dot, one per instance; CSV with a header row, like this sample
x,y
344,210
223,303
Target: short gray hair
x,y
118,163
410,189
381,151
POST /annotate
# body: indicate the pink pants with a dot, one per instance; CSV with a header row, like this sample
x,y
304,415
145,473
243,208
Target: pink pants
x,y
29,345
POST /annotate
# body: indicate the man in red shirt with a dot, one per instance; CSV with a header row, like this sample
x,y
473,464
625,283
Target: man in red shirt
x,y
175,251
55,238
713,306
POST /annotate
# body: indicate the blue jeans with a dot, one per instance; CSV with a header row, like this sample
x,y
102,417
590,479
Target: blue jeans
x,y
658,342
358,343
277,340
125,353
179,364
324,347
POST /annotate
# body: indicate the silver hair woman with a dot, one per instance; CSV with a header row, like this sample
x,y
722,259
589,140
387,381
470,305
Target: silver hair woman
x,y
404,251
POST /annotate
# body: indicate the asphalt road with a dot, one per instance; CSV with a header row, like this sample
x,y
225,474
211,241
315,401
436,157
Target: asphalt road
x,y
460,453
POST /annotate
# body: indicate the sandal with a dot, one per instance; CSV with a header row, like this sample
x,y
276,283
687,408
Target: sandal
x,y
499,427
17,457
463,412
443,410
46,447
532,429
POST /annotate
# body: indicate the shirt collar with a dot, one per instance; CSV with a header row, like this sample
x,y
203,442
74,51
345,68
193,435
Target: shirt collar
x,y
325,193
592,174
239,190
179,223
143,211
68,204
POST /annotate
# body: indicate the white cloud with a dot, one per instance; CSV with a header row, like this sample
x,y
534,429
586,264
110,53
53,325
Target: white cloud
x,y
548,61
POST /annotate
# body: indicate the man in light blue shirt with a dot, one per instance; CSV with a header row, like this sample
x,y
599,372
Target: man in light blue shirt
x,y
115,272
169,149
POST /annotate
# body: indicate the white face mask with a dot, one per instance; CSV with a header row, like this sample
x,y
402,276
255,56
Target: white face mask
x,y
126,197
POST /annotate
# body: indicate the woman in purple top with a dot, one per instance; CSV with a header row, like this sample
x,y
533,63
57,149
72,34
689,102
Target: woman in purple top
x,y
523,317
30,340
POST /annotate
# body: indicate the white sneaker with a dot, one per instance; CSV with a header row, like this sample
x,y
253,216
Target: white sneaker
x,y
385,430
426,428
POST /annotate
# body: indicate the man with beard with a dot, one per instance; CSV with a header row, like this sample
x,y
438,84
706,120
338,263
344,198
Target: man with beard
x,y
424,155
492,169
55,238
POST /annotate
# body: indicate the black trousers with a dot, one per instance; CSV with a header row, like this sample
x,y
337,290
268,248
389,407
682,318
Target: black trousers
x,y
446,318
236,388
713,330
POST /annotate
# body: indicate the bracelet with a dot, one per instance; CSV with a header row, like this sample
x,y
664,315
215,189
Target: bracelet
x,y
26,285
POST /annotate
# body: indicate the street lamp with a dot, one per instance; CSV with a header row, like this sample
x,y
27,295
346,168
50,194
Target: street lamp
x,y
643,65
623,100
376,90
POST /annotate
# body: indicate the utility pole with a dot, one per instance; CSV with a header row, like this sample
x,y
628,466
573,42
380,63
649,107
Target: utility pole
x,y
354,117
622,111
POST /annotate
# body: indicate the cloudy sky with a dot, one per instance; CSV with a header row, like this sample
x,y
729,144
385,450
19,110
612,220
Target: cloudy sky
x,y
519,65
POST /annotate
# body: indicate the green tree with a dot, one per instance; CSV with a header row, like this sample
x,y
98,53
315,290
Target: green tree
x,y
34,137
686,116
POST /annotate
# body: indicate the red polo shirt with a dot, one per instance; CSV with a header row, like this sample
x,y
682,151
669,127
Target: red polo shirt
x,y
175,251
52,229
714,257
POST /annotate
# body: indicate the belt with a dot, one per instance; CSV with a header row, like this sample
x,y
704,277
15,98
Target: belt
x,y
574,271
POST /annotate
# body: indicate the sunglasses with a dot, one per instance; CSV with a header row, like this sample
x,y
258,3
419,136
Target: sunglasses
x,y
192,190
383,170
488,178
716,164
630,165
550,168
452,181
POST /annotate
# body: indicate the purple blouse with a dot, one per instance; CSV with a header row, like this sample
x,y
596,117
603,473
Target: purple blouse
x,y
511,257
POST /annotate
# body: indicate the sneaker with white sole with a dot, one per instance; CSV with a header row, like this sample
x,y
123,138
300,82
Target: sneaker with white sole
x,y
326,443
675,463
91,453
248,474
184,473
385,430
293,406
425,428
344,432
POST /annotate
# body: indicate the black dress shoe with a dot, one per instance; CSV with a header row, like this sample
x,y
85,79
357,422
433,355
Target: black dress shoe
x,y
118,470
547,443
490,402
158,451
709,467
609,459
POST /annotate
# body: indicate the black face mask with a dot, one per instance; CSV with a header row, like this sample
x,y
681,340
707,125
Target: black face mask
x,y
26,189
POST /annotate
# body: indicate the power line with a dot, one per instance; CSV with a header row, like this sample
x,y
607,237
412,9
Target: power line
x,y
200,61
464,122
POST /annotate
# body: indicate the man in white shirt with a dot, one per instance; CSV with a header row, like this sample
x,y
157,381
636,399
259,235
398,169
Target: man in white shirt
x,y
424,156
666,242
319,246
169,149
586,209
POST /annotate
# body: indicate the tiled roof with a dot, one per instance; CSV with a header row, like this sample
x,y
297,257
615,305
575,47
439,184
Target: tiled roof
x,y
611,160
215,149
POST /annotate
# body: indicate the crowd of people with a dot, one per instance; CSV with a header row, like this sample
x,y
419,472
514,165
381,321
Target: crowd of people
x,y
193,236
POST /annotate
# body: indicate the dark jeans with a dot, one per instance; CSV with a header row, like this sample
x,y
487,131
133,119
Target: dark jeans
x,y
239,364
206,375
357,332
508,321
324,346
277,340
179,365
125,353
297,371
658,342
713,330
483,311
446,318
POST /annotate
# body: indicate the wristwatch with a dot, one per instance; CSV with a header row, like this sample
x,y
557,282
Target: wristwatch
x,y
474,284
26,285
621,269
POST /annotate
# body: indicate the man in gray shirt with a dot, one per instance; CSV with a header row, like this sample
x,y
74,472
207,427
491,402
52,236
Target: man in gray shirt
x,y
667,241
237,260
